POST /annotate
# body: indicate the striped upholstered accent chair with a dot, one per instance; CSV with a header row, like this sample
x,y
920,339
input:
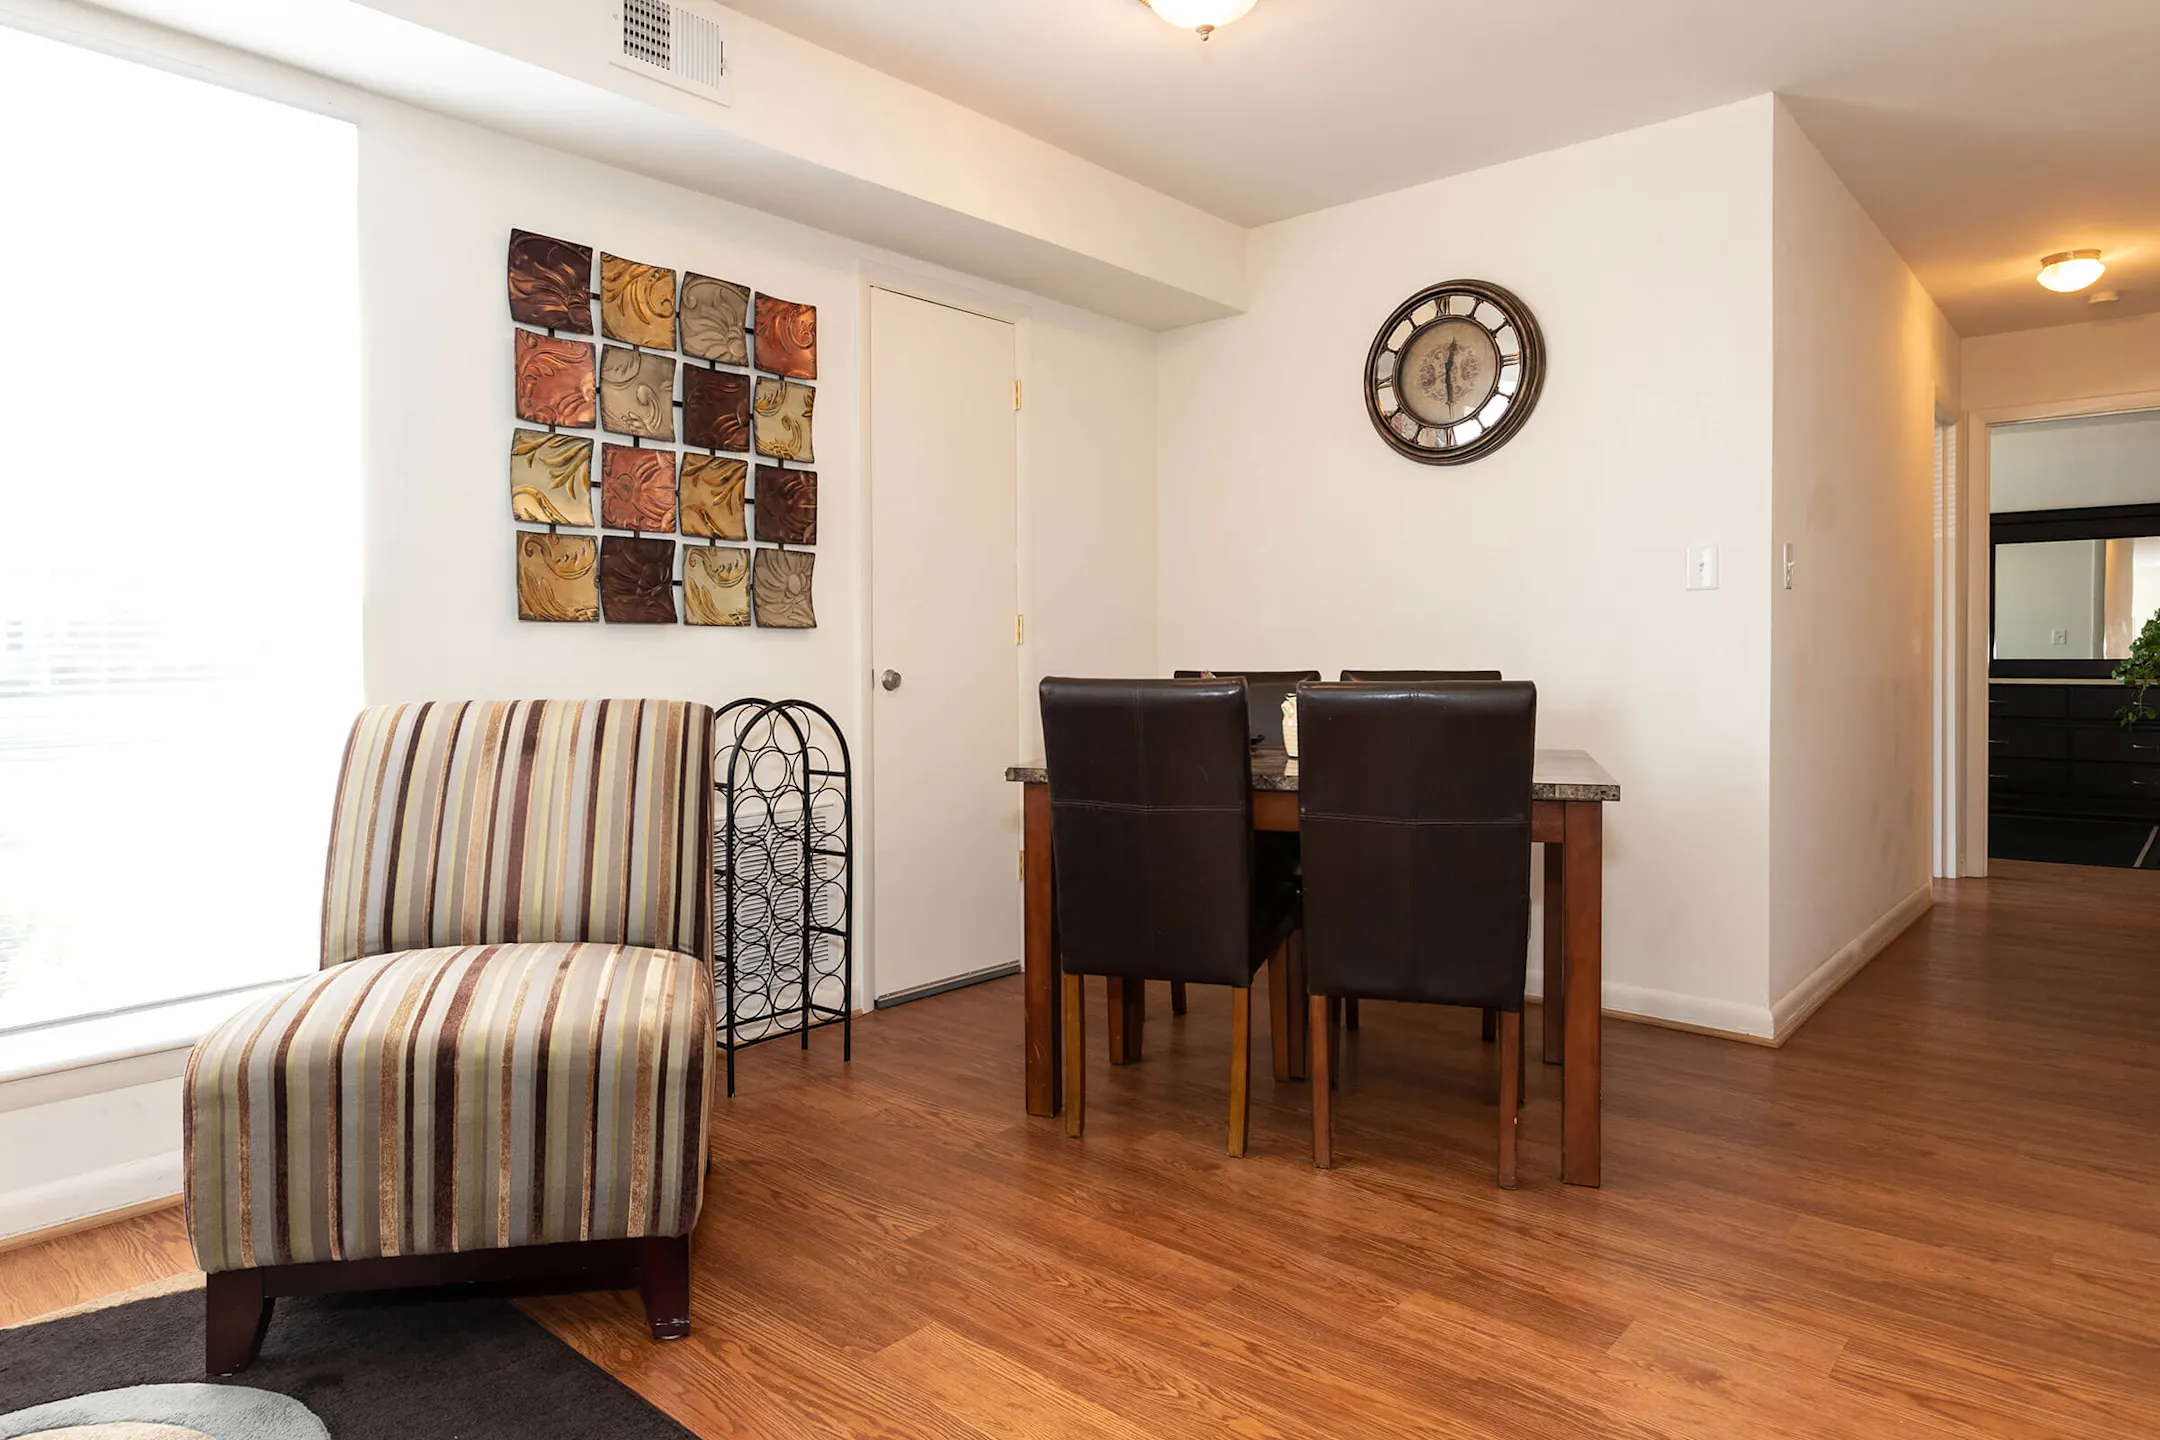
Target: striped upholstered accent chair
x,y
501,1071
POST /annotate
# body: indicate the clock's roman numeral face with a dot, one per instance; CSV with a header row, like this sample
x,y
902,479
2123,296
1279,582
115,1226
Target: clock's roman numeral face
x,y
1454,372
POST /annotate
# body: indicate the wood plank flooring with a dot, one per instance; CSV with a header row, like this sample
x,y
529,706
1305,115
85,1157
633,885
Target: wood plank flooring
x,y
1936,1213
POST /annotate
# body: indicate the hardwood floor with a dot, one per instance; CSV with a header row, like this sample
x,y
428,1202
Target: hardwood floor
x,y
1935,1213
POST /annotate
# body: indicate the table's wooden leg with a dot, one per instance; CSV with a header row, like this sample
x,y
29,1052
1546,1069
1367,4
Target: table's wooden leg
x,y
1039,959
1555,953
1177,997
1580,1081
1127,1017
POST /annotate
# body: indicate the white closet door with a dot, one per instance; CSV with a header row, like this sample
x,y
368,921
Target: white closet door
x,y
944,591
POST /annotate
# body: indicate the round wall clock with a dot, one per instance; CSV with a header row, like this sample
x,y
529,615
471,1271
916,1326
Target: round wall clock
x,y
1454,372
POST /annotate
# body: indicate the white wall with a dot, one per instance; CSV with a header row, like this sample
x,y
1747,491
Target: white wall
x,y
2088,460
2064,362
84,1154
1291,536
1864,361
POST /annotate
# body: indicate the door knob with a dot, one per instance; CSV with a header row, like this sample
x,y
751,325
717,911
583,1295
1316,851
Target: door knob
x,y
890,679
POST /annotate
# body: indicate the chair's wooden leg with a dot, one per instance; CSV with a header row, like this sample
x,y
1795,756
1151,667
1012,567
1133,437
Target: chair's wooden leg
x,y
1334,1039
1522,1070
1510,1092
1126,1018
1323,1113
1300,1011
1177,997
1488,1025
236,1313
1240,1066
664,1284
1279,1000
1075,1057
1349,1013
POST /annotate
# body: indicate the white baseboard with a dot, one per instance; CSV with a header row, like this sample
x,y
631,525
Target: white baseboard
x,y
1804,999
76,1197
1695,1012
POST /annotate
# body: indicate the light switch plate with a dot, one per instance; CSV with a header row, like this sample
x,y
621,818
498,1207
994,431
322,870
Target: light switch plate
x,y
1702,567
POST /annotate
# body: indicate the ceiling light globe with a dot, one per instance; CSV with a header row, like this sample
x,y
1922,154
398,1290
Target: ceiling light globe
x,y
2071,270
1204,16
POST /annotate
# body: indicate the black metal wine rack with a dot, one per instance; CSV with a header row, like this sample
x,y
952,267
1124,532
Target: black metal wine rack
x,y
783,876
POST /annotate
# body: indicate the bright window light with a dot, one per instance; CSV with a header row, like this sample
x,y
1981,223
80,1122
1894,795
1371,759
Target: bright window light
x,y
179,531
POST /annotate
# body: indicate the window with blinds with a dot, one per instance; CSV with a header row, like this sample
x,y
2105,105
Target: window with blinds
x,y
179,531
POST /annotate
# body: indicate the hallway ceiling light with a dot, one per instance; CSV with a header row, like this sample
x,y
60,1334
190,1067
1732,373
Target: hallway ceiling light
x,y
1203,17
2071,270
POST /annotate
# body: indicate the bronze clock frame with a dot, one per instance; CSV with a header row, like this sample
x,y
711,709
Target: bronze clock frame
x,y
1531,353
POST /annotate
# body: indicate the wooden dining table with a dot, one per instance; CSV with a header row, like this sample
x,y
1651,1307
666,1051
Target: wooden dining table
x,y
1568,795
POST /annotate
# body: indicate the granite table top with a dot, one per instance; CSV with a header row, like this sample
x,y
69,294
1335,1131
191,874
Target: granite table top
x,y
1555,775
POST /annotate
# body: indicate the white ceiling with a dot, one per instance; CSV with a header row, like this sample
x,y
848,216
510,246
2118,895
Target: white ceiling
x,y
1980,134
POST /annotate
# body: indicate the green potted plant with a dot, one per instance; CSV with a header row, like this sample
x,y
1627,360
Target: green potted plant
x,y
2141,671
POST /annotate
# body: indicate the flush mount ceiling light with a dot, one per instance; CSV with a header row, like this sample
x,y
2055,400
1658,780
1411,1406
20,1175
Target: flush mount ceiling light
x,y
1202,17
2071,270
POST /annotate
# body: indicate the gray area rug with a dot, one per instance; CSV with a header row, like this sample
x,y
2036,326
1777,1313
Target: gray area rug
x,y
392,1366
215,1412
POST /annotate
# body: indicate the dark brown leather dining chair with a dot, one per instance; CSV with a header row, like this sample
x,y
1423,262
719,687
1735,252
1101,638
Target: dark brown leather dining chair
x,y
1413,677
1152,837
1399,677
1414,807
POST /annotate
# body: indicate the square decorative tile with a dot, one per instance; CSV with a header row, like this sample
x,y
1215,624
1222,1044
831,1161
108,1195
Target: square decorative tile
x,y
780,583
716,409
637,303
715,314
637,489
712,496
555,577
637,580
786,505
637,393
554,380
550,282
783,420
550,478
716,585
786,338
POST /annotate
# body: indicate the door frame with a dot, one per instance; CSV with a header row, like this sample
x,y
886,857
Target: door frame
x,y
1968,717
992,304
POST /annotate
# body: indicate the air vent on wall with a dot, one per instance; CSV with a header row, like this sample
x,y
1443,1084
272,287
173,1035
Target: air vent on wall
x,y
676,44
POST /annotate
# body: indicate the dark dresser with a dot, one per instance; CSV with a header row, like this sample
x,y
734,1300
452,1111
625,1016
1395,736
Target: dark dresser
x,y
2058,749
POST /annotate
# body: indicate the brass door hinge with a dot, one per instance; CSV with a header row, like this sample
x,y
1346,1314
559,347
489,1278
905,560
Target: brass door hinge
x,y
1016,394
1019,629
1020,869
